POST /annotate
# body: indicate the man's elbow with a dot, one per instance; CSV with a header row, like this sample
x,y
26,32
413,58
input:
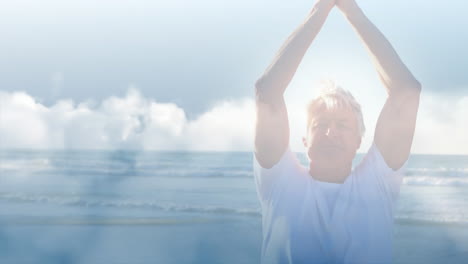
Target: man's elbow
x,y
261,86
411,88
267,94
415,86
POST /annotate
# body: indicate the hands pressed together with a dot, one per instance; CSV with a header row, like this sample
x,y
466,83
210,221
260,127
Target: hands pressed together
x,y
344,5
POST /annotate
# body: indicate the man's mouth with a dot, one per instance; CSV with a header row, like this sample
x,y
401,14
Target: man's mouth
x,y
330,147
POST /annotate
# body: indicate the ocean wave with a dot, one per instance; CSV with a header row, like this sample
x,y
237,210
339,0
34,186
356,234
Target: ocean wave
x,y
26,164
128,204
93,220
440,171
80,202
48,167
142,221
450,221
435,181
205,173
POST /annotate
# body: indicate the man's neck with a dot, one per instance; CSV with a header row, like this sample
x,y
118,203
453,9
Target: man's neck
x,y
337,174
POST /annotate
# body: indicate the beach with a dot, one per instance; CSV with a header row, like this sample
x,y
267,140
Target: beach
x,y
153,207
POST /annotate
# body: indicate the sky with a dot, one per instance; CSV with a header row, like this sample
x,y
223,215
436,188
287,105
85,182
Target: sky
x,y
179,74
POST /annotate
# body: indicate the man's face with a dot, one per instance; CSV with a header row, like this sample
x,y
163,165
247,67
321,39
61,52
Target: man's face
x,y
333,138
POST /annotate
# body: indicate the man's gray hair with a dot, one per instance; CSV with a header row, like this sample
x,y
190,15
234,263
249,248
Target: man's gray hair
x,y
332,96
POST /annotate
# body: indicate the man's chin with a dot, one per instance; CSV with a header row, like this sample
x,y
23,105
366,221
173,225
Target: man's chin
x,y
330,153
331,158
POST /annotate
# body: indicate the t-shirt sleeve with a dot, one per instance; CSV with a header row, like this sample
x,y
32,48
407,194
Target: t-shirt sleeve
x,y
271,182
387,180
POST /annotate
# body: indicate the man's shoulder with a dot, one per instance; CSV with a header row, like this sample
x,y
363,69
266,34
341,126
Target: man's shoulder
x,y
286,172
374,160
373,170
288,162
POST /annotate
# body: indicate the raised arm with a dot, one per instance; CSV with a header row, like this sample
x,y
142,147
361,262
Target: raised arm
x,y
272,127
396,124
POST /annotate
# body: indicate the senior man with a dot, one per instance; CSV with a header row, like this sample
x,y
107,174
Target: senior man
x,y
331,212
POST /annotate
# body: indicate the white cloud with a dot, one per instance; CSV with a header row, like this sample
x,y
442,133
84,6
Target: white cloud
x,y
228,126
22,121
131,122
136,122
442,126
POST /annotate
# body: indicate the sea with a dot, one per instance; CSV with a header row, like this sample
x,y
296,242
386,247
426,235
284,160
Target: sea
x,y
121,206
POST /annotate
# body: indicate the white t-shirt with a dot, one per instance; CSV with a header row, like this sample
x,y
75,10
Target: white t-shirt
x,y
330,191
300,226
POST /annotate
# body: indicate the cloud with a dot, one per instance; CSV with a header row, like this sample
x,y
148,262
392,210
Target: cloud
x,y
442,126
137,122
131,122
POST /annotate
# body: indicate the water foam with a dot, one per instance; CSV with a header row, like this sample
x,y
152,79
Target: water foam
x,y
125,204
435,181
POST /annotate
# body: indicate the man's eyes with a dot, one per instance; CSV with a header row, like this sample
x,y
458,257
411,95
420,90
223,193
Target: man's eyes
x,y
341,126
320,124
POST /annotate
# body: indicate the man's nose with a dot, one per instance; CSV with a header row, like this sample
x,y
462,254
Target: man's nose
x,y
332,131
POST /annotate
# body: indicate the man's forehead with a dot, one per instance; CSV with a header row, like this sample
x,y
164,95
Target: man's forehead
x,y
339,114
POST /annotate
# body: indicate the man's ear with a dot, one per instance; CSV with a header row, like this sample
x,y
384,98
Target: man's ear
x,y
304,141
